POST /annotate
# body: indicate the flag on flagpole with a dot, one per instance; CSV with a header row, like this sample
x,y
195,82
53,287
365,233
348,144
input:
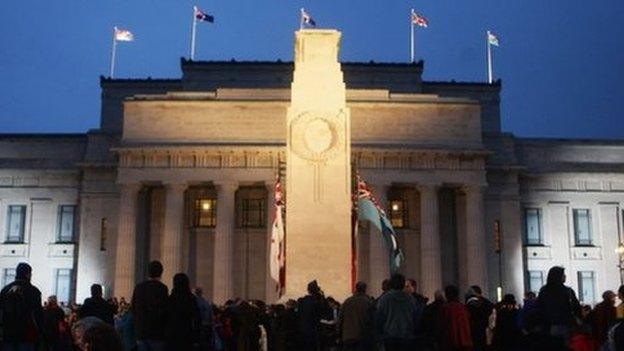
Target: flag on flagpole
x,y
369,209
277,264
492,39
123,35
420,20
202,16
307,19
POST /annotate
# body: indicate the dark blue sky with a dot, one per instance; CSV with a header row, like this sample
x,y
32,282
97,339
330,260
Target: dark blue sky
x,y
561,61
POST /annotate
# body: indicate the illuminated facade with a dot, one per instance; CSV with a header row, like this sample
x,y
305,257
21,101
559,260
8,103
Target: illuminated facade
x,y
182,170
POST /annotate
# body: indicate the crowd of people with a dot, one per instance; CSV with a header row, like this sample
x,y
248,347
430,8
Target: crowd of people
x,y
399,319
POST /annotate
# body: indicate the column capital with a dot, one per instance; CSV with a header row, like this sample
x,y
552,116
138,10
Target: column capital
x,y
177,186
473,188
423,187
226,184
130,186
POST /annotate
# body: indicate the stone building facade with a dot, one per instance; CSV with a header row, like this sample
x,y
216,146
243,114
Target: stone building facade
x,y
183,170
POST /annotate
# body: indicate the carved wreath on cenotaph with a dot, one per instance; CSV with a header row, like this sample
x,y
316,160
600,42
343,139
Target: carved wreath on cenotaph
x,y
315,137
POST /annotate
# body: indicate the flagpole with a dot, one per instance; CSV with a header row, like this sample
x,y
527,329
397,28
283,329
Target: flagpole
x,y
489,57
301,19
412,36
113,53
193,35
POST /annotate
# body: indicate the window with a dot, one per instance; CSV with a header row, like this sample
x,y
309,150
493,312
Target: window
x,y
582,227
533,224
67,222
63,284
398,214
205,213
253,213
536,281
586,288
8,276
16,221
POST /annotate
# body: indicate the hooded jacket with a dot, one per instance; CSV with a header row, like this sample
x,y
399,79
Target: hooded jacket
x,y
395,317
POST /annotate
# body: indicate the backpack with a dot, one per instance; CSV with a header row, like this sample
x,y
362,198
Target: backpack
x,y
17,315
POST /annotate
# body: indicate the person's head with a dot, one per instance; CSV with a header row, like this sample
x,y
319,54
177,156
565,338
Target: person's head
x,y
451,292
52,301
438,295
385,285
529,295
621,292
509,300
410,286
155,270
477,290
101,337
397,282
80,327
181,283
585,310
360,288
556,276
199,292
23,271
608,297
313,288
96,290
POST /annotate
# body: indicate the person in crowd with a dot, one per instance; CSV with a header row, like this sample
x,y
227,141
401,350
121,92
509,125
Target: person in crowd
x,y
480,310
80,327
558,305
529,308
620,307
432,322
21,312
311,309
395,316
506,331
456,319
53,317
124,324
101,337
411,288
182,316
206,318
421,303
603,317
329,336
148,303
355,320
96,306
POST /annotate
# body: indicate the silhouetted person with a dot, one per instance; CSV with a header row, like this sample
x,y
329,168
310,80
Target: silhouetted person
x,y
355,321
96,306
480,310
206,316
603,317
506,331
395,317
311,309
101,337
183,320
457,335
433,322
21,311
558,306
53,316
149,310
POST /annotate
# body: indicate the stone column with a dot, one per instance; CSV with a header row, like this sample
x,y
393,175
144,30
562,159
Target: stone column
x,y
223,277
125,262
430,254
173,228
378,263
476,254
270,295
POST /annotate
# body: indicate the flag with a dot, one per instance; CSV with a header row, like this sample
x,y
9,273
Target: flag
x,y
123,35
201,16
307,19
277,263
419,20
492,39
369,209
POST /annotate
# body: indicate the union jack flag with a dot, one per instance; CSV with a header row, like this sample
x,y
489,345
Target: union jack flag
x,y
419,20
307,19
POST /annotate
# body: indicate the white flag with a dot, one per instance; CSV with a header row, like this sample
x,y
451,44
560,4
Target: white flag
x,y
277,248
123,35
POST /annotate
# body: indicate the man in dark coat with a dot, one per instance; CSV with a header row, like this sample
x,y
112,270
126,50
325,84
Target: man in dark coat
x,y
558,306
53,316
480,310
149,310
21,311
395,317
96,306
311,309
355,321
603,317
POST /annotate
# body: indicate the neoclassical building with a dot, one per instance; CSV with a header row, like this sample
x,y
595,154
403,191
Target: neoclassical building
x,y
183,171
